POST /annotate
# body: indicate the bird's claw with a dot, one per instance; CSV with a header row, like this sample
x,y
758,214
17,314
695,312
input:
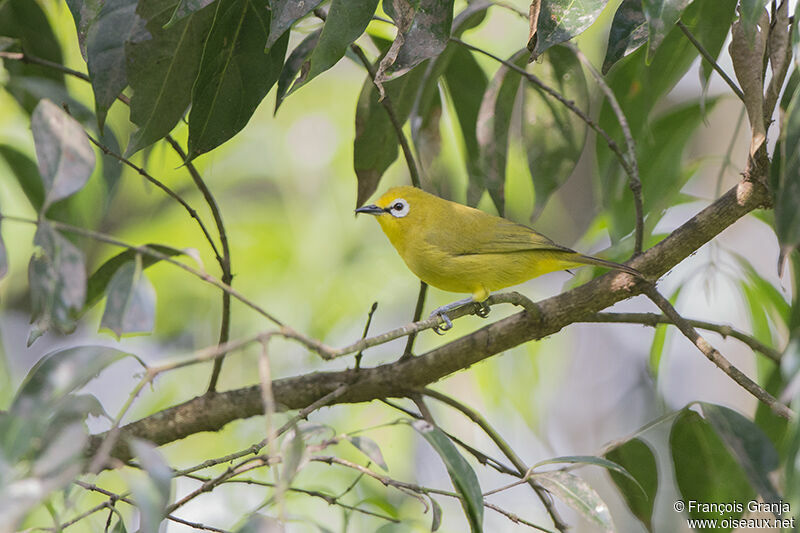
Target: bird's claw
x,y
441,328
482,310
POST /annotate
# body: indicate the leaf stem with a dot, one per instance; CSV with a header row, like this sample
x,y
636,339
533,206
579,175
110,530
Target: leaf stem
x,y
707,56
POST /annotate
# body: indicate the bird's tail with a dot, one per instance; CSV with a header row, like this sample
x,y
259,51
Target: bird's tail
x,y
589,260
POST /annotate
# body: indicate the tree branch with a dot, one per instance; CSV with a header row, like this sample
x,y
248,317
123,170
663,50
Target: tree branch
x,y
654,319
398,379
715,356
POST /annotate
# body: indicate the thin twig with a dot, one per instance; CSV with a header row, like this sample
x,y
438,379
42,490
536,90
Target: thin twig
x,y
27,58
423,291
634,179
224,261
612,144
169,192
707,56
396,124
364,335
504,447
146,250
654,319
715,356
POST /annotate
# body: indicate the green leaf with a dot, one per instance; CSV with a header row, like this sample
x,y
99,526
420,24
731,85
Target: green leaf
x,y
424,31
27,173
660,339
561,20
713,35
375,145
293,455
661,17
787,216
461,474
576,493
436,509
554,136
628,32
105,51
751,11
466,84
749,445
235,74
292,66
57,279
257,523
369,448
84,13
590,460
98,281
705,471
345,23
26,21
3,258
60,373
66,160
494,122
162,65
638,87
130,306
638,459
152,493
284,14
186,8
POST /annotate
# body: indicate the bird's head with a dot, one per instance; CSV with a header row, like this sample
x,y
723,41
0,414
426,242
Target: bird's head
x,y
398,210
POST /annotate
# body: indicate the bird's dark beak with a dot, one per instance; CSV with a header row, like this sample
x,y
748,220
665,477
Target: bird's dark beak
x,y
371,209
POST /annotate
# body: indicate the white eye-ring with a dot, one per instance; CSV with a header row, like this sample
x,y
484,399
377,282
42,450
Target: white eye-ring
x,y
399,208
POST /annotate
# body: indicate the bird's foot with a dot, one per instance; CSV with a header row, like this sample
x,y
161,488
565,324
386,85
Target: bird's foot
x,y
483,309
442,313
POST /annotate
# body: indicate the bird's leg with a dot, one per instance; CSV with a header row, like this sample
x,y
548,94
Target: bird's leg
x,y
442,312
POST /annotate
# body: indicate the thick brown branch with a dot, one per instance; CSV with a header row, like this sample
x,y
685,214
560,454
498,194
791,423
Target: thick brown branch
x,y
212,411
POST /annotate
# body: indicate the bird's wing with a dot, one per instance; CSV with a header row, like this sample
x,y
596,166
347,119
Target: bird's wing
x,y
486,234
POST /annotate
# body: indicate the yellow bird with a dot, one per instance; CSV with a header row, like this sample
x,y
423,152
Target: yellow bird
x,y
460,249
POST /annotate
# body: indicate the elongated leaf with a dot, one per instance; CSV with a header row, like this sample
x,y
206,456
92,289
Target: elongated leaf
x,y
369,448
66,160
591,460
751,11
130,307
461,474
284,14
494,122
98,282
26,172
436,511
747,49
787,216
235,74
661,17
292,66
466,84
162,65
375,145
25,21
105,52
186,8
628,32
57,278
561,20
152,493
713,33
425,36
84,13
638,88
60,373
705,470
576,493
748,445
553,136
638,459
345,23
3,258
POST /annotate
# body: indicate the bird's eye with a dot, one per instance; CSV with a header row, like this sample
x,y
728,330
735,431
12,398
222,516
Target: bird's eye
x,y
399,208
